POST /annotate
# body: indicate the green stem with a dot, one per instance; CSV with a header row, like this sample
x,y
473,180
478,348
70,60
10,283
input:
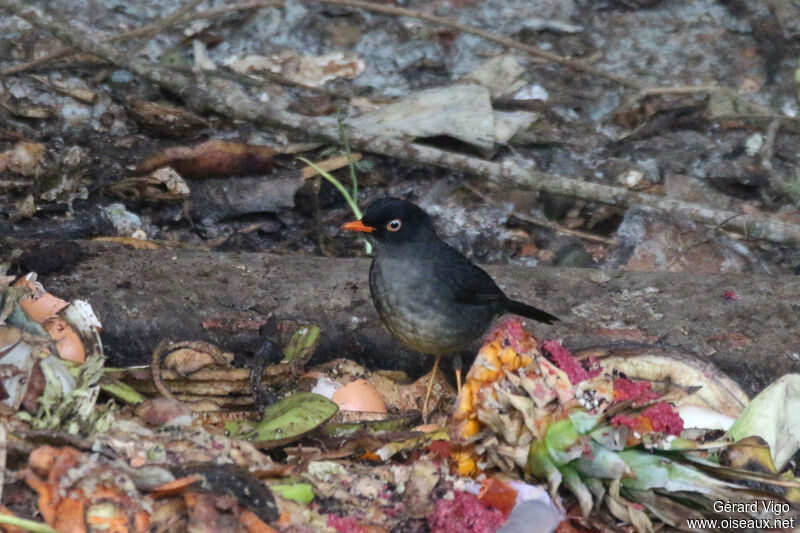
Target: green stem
x,y
121,390
350,164
351,200
336,183
24,523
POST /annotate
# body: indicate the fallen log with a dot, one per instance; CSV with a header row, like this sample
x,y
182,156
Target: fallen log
x,y
748,325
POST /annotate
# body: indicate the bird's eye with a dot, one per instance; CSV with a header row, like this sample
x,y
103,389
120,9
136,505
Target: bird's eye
x,y
394,225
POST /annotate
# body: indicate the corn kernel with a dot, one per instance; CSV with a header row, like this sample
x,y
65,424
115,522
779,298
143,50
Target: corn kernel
x,y
470,428
466,464
508,357
465,402
485,374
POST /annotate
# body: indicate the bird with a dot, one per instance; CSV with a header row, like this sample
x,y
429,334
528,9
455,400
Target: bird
x,y
428,295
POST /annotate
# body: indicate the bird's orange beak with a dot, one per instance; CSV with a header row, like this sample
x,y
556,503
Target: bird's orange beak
x,y
357,225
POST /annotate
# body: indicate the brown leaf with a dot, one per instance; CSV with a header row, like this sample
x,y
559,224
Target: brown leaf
x,y
23,159
195,355
212,159
163,184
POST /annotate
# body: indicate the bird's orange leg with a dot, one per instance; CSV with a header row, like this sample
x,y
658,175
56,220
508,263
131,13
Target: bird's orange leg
x,y
430,387
457,368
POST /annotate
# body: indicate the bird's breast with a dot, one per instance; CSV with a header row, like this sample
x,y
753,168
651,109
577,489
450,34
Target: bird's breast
x,y
421,310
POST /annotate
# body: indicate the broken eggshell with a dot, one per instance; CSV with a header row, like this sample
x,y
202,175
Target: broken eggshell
x,y
74,326
40,305
359,395
326,387
15,354
76,332
68,343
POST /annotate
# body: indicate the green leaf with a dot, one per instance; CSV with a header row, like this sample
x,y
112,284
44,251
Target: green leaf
x,y
611,437
370,427
573,481
562,441
233,428
120,390
584,422
601,463
561,435
656,471
541,465
293,416
302,344
299,492
774,415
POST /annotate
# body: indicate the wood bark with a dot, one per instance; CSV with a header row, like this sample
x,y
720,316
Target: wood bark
x,y
142,296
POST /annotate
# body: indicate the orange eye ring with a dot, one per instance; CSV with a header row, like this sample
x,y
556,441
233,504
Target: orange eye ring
x,y
394,225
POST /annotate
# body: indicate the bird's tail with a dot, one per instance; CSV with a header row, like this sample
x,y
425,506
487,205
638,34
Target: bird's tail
x,y
521,309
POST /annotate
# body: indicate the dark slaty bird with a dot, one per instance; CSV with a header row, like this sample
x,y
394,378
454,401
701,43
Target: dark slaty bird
x,y
431,297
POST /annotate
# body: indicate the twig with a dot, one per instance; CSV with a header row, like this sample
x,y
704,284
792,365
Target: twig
x,y
239,106
166,22
209,13
139,32
682,89
543,222
260,79
489,36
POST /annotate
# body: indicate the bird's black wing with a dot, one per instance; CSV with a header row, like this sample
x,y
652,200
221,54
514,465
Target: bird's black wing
x,y
469,283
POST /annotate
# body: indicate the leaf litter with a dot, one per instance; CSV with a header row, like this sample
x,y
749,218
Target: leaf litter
x,y
586,439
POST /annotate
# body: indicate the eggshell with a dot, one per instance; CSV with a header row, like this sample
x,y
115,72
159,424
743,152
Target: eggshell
x,y
40,305
68,343
326,387
359,395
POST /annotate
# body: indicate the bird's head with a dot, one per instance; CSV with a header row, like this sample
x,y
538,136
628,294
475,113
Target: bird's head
x,y
391,221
